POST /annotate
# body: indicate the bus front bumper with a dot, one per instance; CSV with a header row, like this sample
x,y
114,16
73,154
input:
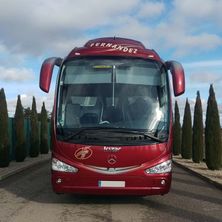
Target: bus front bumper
x,y
121,184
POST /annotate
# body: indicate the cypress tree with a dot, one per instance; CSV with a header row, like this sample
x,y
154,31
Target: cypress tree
x,y
4,133
27,113
44,147
186,145
197,147
176,131
20,147
213,144
34,134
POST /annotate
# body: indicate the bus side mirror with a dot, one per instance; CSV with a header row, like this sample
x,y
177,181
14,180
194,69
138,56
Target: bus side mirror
x,y
46,72
177,72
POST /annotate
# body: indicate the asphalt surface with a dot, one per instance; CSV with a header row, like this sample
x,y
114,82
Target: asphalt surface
x,y
27,197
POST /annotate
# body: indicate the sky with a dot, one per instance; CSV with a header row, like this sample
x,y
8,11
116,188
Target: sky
x,y
32,30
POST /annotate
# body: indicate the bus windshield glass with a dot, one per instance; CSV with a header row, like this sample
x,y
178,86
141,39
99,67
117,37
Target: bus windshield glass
x,y
119,93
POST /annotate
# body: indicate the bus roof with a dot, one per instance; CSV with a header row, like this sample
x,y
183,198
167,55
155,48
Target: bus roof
x,y
113,46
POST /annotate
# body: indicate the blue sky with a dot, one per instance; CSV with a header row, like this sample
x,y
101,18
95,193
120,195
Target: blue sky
x,y
187,31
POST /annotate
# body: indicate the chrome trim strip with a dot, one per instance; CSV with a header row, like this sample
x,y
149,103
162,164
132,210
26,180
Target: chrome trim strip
x,y
111,170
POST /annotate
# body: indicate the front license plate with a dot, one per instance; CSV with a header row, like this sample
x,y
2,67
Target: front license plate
x,y
103,183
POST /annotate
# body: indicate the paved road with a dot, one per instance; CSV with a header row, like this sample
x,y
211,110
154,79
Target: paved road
x,y
28,197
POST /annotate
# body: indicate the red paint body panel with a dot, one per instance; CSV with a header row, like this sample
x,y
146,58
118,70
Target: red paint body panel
x,y
137,183
178,77
127,156
137,157
46,73
114,47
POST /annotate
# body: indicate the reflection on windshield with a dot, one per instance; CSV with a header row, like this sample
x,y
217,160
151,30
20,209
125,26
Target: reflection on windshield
x,y
119,93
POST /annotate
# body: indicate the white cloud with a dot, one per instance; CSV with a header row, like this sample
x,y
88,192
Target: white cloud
x,y
54,27
191,27
206,78
198,11
2,48
38,26
182,41
16,74
130,27
23,96
200,42
151,9
204,64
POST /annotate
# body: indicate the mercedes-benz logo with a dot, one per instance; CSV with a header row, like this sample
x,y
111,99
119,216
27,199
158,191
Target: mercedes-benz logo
x,y
112,159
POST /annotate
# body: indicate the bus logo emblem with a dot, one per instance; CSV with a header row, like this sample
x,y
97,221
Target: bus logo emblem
x,y
112,159
112,149
83,153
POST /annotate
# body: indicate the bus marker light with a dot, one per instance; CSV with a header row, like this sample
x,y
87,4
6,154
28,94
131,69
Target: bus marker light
x,y
59,180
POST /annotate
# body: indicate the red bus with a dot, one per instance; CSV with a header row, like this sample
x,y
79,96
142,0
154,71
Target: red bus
x,y
112,118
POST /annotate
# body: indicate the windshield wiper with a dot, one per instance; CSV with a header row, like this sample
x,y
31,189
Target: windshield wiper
x,y
150,136
83,130
145,134
114,130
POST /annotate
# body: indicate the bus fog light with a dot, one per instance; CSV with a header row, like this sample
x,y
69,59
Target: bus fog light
x,y
163,182
59,180
164,167
58,165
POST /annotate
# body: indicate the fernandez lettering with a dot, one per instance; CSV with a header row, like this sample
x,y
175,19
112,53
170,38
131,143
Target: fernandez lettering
x,y
115,47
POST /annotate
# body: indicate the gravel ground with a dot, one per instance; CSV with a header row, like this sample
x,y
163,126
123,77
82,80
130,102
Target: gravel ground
x,y
200,168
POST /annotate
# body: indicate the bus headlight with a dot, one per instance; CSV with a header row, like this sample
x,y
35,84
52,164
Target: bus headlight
x,y
58,165
164,167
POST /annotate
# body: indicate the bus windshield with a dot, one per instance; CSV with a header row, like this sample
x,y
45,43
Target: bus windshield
x,y
119,93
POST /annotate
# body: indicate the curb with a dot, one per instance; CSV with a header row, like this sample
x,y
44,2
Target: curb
x,y
207,179
10,172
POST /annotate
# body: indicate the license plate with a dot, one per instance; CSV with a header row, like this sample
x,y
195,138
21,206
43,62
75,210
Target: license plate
x,y
103,183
